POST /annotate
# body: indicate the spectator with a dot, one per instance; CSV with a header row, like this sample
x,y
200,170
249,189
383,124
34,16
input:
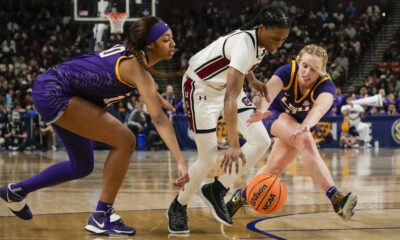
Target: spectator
x,y
392,110
15,133
374,12
349,136
355,112
137,119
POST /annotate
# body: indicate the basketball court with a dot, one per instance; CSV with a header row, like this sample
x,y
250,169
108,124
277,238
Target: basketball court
x,y
61,212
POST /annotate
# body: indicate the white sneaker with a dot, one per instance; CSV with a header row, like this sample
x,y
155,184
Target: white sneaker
x,y
367,145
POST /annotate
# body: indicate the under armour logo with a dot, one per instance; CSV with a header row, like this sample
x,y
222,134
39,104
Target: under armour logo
x,y
202,97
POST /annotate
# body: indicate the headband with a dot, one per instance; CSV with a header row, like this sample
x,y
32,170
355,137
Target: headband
x,y
156,32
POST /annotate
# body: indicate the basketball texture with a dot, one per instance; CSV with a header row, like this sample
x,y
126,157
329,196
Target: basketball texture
x,y
266,193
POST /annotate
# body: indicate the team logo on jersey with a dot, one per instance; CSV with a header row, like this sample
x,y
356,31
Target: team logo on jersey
x,y
246,101
396,131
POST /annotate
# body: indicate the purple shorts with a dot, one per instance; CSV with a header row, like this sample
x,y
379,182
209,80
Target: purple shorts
x,y
268,121
50,96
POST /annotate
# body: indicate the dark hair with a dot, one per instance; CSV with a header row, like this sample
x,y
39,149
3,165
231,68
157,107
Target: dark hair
x,y
270,17
136,42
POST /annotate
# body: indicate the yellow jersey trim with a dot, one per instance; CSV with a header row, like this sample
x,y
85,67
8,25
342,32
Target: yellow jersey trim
x,y
296,84
117,71
291,76
312,93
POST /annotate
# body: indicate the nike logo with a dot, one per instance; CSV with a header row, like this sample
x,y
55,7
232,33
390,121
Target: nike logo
x,y
97,223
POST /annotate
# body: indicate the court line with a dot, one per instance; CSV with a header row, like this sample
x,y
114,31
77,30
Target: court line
x,y
252,225
160,209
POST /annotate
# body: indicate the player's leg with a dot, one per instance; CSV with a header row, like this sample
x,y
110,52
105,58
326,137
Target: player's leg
x,y
278,159
203,105
313,162
364,132
257,144
86,119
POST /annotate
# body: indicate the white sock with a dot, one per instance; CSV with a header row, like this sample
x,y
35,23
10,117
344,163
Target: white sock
x,y
206,160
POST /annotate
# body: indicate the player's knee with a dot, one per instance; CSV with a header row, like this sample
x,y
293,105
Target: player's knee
x,y
259,139
126,141
83,170
306,143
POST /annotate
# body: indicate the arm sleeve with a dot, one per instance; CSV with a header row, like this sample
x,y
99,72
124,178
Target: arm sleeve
x,y
241,51
284,73
327,86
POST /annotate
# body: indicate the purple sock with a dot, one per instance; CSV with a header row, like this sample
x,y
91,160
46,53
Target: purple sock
x,y
102,206
80,164
331,191
244,193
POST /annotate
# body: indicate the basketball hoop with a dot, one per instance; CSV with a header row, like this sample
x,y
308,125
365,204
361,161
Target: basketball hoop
x,y
117,20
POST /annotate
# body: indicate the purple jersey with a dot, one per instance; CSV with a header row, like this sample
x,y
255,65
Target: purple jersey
x,y
95,76
289,99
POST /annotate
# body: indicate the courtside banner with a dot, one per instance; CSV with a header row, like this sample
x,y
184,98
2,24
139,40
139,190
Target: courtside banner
x,y
384,129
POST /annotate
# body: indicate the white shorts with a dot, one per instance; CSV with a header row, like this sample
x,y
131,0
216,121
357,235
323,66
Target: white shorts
x,y
204,104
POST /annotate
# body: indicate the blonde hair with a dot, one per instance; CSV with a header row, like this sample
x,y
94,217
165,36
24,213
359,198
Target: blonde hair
x,y
315,50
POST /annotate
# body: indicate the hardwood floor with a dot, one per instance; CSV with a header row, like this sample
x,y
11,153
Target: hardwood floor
x,y
61,212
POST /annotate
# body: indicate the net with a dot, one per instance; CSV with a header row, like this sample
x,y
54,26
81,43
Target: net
x,y
117,20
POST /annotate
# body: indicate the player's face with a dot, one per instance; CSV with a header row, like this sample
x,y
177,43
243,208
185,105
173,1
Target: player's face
x,y
272,38
310,67
164,46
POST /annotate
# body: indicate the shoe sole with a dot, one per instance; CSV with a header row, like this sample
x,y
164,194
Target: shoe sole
x,y
176,232
214,213
95,230
349,206
98,231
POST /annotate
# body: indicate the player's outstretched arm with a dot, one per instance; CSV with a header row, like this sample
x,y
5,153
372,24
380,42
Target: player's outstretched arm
x,y
274,86
145,83
321,106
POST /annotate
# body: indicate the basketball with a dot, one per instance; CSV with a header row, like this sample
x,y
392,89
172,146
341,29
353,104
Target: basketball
x,y
266,193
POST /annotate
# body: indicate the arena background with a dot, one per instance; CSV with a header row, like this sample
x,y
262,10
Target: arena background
x,y
363,41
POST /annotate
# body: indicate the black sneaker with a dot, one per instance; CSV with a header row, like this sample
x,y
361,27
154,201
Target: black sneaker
x,y
344,205
213,195
236,202
15,203
177,218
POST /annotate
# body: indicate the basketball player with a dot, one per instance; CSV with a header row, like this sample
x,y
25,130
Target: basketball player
x,y
302,93
213,86
71,97
355,112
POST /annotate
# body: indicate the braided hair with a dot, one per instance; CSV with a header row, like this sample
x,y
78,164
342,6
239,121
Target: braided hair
x,y
136,42
269,17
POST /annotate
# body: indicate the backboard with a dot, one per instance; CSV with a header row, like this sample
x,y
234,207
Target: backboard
x,y
93,11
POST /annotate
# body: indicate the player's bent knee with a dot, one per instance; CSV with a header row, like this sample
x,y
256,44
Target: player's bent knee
x,y
305,143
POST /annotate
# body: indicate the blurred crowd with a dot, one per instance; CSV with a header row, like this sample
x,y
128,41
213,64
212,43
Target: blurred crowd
x,y
37,36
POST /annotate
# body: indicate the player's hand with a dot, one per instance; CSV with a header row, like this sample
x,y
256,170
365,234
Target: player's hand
x,y
258,116
183,177
166,104
261,87
232,156
301,130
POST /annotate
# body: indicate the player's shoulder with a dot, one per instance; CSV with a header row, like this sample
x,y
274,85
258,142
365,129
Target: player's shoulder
x,y
243,36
